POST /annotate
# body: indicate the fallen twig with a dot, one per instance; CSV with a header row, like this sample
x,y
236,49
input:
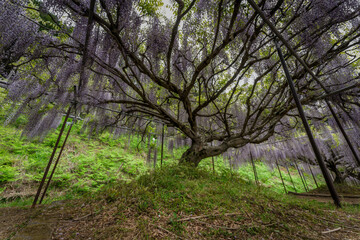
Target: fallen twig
x,y
343,224
206,216
332,230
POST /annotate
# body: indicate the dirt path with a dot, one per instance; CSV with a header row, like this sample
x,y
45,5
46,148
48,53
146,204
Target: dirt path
x,y
30,224
351,199
12,220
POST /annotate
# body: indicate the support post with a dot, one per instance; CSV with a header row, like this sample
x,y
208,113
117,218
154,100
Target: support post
x,y
230,163
213,162
162,145
148,159
314,146
307,185
312,174
56,162
282,180
155,156
254,169
287,169
302,180
51,158
283,40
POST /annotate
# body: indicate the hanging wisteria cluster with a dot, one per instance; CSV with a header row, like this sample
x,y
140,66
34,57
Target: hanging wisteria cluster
x,y
15,41
292,150
210,71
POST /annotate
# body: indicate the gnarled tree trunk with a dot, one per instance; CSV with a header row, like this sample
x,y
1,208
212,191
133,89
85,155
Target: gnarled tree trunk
x,y
200,150
193,155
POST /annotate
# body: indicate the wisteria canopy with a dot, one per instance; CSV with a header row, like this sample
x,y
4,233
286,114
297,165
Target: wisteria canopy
x,y
209,69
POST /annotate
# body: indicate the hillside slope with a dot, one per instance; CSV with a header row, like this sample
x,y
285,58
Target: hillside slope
x,y
88,163
185,203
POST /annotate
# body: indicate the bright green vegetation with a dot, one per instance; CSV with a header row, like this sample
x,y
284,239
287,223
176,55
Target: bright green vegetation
x,y
271,178
87,164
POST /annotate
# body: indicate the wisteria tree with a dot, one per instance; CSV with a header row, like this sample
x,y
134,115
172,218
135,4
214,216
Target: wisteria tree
x,y
208,69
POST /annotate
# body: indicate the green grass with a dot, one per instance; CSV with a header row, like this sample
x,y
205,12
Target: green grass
x,y
194,190
217,206
271,178
87,164
165,196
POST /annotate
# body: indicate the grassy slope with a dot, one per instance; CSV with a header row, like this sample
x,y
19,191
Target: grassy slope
x,y
178,202
87,164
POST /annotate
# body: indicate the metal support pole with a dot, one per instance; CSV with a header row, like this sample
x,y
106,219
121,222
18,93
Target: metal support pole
x,y
51,158
307,185
155,156
282,180
315,148
56,162
148,159
313,176
213,162
287,169
302,180
162,145
254,169
230,163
